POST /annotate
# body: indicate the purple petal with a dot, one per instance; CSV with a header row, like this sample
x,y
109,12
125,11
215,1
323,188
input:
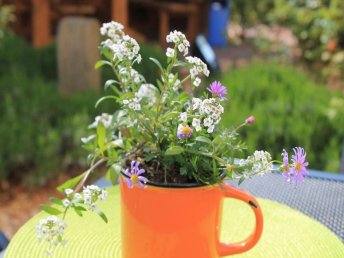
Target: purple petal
x,y
141,171
143,179
141,185
129,182
127,172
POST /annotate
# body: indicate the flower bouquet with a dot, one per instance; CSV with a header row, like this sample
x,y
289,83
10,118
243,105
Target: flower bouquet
x,y
168,145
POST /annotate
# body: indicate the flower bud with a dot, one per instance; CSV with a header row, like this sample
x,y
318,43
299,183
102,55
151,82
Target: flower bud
x,y
250,120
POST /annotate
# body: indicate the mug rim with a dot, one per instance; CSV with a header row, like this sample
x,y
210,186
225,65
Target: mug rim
x,y
176,185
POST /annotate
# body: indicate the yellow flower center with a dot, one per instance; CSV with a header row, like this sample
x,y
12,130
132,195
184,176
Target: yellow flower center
x,y
186,130
286,168
134,178
298,167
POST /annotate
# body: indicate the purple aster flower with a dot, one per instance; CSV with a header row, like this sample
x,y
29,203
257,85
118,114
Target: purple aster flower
x,y
218,90
184,132
134,175
285,167
299,164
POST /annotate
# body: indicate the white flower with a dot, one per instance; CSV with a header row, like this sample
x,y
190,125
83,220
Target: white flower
x,y
77,197
68,191
103,195
184,117
198,66
197,81
66,203
112,29
196,103
51,229
125,102
148,91
207,122
211,128
137,107
197,124
105,119
92,193
138,59
179,40
181,47
88,139
259,163
170,52
193,72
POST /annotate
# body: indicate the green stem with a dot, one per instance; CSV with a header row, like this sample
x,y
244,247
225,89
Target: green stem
x,y
65,213
208,155
87,173
185,79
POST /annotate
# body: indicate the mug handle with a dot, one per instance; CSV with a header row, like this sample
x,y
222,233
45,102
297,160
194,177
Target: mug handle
x,y
248,243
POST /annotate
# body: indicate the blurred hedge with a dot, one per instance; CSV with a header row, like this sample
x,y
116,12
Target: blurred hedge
x,y
290,110
40,130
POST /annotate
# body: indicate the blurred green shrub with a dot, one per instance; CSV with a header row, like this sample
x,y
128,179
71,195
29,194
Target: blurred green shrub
x,y
317,24
290,110
18,56
40,130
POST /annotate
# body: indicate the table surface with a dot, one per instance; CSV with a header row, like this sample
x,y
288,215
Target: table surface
x,y
287,233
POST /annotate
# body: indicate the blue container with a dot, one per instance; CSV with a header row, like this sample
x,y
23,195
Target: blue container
x,y
218,20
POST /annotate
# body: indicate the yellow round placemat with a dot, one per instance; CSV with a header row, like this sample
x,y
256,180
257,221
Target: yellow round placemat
x,y
287,233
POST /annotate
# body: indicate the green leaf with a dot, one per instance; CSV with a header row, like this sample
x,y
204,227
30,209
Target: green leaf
x,y
241,180
169,116
70,183
157,63
56,201
218,140
108,83
78,212
50,210
113,173
101,63
102,215
183,171
203,139
101,136
79,209
230,174
104,98
174,150
180,63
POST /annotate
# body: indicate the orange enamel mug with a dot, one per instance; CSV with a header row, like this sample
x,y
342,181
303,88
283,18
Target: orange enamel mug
x,y
183,222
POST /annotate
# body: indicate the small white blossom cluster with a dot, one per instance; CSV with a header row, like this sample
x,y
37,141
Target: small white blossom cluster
x,y
129,73
176,84
148,91
259,163
51,230
180,41
170,52
122,46
209,110
104,118
198,68
113,30
72,197
92,194
133,103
